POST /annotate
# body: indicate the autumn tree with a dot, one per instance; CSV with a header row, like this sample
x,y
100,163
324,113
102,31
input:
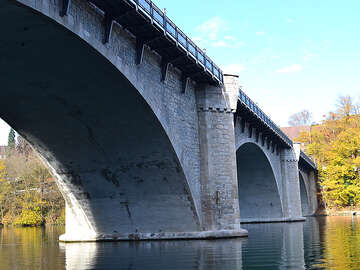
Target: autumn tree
x,y
335,145
28,192
345,106
302,118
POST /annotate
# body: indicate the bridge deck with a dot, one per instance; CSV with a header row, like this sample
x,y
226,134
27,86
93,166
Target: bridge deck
x,y
152,27
247,109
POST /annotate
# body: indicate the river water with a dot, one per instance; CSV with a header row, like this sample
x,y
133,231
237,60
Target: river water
x,y
318,243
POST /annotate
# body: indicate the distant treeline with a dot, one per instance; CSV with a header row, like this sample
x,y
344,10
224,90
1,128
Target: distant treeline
x,y
335,146
28,193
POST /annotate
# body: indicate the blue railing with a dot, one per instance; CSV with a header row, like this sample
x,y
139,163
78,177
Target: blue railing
x,y
149,9
246,101
263,117
158,17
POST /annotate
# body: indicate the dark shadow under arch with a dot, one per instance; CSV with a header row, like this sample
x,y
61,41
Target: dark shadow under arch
x,y
92,126
259,197
304,196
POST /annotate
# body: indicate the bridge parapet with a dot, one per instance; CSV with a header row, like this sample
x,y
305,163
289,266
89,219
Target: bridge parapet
x,y
151,27
251,108
308,161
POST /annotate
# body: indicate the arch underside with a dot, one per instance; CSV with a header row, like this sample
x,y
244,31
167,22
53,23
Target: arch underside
x,y
304,197
112,156
259,197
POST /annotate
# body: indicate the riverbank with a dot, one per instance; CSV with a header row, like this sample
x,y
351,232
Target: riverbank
x,y
338,212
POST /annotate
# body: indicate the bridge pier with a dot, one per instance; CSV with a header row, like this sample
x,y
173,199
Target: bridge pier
x,y
291,184
218,171
143,159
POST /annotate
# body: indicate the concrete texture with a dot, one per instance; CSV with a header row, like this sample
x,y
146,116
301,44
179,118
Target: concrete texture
x,y
219,196
304,197
308,192
259,197
124,146
136,157
269,189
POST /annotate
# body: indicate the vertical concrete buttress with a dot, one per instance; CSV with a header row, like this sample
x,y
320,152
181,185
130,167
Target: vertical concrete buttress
x,y
290,183
218,171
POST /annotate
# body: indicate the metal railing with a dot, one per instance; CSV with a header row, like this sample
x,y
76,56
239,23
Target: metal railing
x,y
159,18
308,159
245,100
263,117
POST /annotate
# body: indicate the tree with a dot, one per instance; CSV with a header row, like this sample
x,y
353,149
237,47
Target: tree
x,y
335,144
23,147
345,106
28,192
302,118
11,141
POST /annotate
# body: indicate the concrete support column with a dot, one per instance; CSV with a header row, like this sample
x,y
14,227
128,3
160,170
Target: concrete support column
x,y
218,171
290,184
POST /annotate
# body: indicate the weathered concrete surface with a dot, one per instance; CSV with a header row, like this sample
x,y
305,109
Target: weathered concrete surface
x,y
304,197
218,163
136,158
308,192
125,147
290,182
259,197
269,188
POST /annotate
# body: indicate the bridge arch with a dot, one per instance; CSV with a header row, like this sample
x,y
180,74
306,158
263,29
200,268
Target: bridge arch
x,y
259,196
304,195
99,125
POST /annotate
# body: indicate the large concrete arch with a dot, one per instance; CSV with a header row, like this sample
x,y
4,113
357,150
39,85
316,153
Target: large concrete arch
x,y
284,166
122,166
308,192
259,197
304,196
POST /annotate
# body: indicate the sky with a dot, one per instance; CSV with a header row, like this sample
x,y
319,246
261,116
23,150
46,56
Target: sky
x,y
290,55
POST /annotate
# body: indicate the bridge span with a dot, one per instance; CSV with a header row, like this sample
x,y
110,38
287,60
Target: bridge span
x,y
148,139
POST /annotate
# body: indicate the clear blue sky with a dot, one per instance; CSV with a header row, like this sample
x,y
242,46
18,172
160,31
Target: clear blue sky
x,y
290,55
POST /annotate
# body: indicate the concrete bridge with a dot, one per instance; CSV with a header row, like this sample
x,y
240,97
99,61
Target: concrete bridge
x,y
147,137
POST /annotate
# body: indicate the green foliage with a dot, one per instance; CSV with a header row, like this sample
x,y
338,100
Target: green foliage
x,y
29,217
28,193
335,145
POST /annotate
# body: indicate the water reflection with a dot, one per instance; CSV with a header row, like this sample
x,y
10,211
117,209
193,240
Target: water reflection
x,y
274,246
31,248
319,243
200,255
342,243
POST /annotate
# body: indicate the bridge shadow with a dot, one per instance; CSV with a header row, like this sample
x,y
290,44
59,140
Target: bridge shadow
x,y
259,197
114,162
304,197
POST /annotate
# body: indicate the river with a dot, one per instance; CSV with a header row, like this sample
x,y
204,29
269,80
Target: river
x,y
318,243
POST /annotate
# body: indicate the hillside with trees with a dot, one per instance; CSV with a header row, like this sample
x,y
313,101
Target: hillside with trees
x,y
335,146
28,193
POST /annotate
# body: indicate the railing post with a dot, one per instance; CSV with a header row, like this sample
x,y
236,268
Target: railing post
x,y
164,21
151,12
176,35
